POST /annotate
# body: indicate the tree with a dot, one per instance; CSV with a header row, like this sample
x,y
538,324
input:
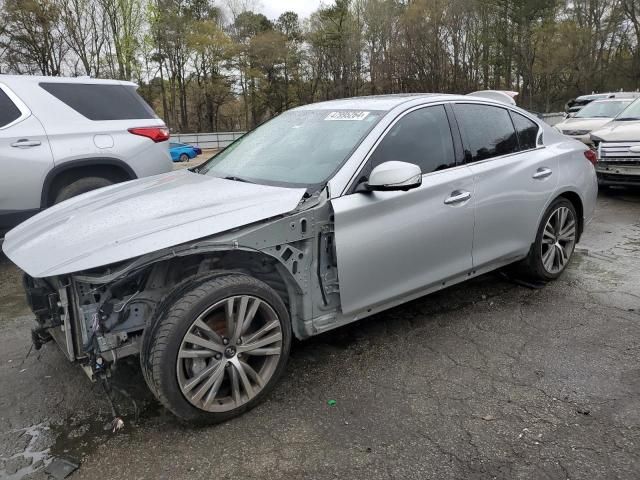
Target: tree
x,y
32,41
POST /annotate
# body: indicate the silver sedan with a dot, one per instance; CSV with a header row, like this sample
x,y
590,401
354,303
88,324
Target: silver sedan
x,y
324,215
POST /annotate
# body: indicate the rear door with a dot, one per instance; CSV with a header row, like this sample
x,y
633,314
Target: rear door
x,y
514,179
98,117
25,159
393,244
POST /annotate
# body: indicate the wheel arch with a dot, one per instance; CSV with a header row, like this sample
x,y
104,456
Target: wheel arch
x,y
257,264
576,200
111,168
578,204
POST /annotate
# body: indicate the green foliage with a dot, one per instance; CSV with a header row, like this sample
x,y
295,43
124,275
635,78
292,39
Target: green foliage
x,y
202,68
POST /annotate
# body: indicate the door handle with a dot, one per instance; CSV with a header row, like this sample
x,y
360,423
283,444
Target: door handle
x,y
457,196
24,143
541,173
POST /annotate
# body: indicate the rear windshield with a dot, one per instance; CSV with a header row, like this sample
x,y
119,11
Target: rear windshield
x,y
101,102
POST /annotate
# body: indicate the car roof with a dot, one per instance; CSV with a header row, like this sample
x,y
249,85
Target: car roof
x,y
9,79
387,102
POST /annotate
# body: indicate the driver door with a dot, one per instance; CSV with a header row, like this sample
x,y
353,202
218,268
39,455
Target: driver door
x,y
393,244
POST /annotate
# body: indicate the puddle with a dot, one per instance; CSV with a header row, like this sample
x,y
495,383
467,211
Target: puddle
x,y
76,438
35,456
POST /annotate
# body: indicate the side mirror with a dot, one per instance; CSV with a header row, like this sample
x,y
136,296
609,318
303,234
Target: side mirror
x,y
391,176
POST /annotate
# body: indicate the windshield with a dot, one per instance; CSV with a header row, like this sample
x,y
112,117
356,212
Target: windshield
x,y
608,109
632,112
299,148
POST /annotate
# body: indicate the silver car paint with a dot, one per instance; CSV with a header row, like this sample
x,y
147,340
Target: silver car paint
x,y
415,239
67,137
510,193
130,219
23,169
389,248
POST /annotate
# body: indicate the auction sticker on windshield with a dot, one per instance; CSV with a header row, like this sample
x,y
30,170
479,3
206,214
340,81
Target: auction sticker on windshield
x,y
348,116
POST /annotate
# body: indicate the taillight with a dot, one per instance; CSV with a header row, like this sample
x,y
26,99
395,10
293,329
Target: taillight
x,y
157,134
591,156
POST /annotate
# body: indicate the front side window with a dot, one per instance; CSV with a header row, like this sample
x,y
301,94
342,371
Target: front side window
x,y
486,131
421,137
101,101
299,148
527,131
8,110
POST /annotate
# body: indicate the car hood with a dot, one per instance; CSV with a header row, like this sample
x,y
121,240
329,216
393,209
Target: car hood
x,y
619,131
131,219
583,123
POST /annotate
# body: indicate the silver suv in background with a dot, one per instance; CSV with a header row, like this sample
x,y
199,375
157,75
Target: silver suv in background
x,y
618,144
60,137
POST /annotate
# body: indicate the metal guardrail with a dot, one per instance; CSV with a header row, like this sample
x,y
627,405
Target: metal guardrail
x,y
552,118
207,140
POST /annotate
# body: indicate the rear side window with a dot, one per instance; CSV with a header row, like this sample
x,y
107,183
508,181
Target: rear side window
x,y
101,102
527,131
422,137
486,131
8,110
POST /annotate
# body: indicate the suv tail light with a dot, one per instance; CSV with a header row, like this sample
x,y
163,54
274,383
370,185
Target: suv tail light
x,y
157,134
591,156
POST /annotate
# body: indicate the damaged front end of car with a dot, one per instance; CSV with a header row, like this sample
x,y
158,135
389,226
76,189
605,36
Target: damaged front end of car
x,y
100,316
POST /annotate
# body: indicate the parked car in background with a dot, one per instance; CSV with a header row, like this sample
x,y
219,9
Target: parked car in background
x,y
324,215
591,117
618,146
60,137
181,152
574,106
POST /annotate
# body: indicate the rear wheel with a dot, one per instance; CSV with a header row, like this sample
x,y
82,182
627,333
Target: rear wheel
x,y
79,186
184,157
217,348
555,242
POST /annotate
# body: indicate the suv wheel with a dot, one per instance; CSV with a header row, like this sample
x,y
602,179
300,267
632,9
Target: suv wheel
x,y
82,185
217,347
555,242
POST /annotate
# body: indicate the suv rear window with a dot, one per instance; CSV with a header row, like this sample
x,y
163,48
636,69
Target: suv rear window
x,y
101,102
8,110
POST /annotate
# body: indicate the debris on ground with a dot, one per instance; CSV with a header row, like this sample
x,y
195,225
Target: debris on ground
x,y
332,403
117,424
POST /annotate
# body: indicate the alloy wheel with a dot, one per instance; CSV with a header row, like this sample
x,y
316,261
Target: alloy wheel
x,y
558,240
229,353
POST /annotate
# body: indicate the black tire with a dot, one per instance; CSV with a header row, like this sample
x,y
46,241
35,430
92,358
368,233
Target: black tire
x,y
175,317
184,157
82,185
532,267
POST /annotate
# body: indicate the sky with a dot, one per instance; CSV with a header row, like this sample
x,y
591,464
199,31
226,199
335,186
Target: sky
x,y
273,8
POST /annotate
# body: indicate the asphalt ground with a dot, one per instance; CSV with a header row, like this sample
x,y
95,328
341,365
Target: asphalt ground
x,y
487,379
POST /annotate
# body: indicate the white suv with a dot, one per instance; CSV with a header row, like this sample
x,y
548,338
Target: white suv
x,y
60,137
